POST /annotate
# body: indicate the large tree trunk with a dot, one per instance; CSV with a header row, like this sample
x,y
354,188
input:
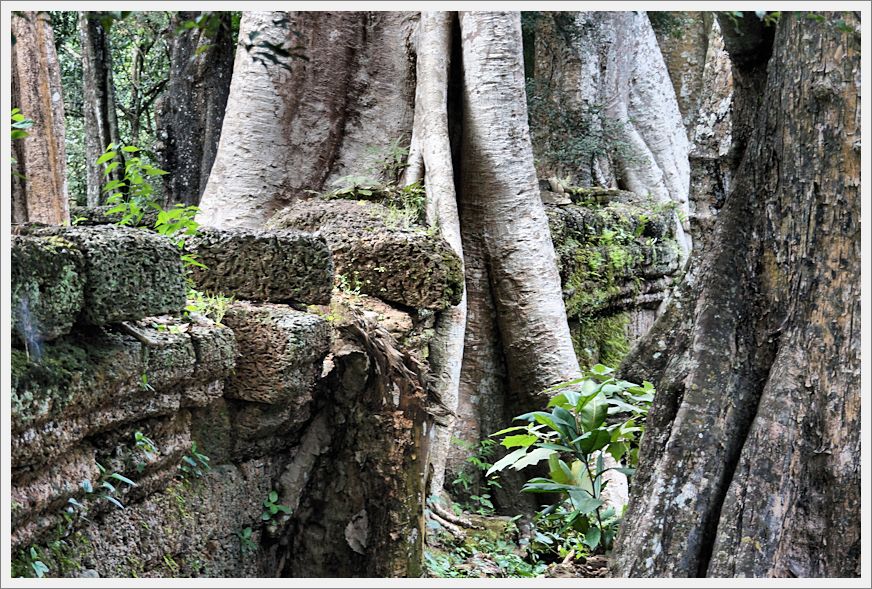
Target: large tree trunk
x,y
498,185
748,467
296,127
191,111
606,67
101,118
299,124
39,192
684,46
430,138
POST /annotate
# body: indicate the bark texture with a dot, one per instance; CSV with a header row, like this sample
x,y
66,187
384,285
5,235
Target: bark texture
x,y
684,46
101,118
39,193
609,66
498,186
191,111
430,138
750,463
300,124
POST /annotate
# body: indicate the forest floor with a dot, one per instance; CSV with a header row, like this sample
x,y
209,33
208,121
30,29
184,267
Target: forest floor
x,y
490,546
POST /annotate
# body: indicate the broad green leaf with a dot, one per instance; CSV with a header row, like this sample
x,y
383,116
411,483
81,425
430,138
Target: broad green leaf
x,y
273,496
617,450
524,441
583,501
106,157
87,486
114,501
109,167
597,440
601,370
514,428
564,418
534,457
593,413
130,149
539,417
122,478
507,460
592,537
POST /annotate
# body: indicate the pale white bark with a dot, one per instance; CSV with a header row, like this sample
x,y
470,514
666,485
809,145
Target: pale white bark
x,y
499,184
254,146
432,142
299,127
638,92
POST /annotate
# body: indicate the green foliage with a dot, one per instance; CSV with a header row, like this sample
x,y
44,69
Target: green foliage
x,y
246,544
148,449
195,464
131,194
271,508
480,557
212,306
29,564
589,416
480,461
20,124
381,182
669,24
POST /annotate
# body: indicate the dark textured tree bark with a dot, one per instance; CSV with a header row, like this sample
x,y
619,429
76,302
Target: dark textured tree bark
x,y
39,191
101,118
749,464
191,111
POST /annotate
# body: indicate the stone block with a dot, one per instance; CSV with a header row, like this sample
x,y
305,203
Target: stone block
x,y
398,262
47,288
264,266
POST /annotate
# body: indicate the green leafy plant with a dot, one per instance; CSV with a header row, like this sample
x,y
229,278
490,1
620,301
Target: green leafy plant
x,y
36,565
148,449
246,543
589,416
132,193
20,124
195,464
271,508
212,306
480,461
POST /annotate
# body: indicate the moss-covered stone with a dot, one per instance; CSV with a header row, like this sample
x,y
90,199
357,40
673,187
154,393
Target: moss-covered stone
x,y
602,340
606,252
397,262
128,273
47,288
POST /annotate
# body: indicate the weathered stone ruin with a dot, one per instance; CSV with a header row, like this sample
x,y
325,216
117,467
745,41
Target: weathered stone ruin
x,y
289,437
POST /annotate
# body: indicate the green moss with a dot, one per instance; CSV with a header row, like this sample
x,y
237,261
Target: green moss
x,y
601,340
46,384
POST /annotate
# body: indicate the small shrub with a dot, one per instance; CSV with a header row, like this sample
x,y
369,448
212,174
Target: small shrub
x,y
589,416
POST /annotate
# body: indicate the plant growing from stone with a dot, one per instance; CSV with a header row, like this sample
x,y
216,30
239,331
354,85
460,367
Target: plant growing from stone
x,y
195,464
590,416
271,508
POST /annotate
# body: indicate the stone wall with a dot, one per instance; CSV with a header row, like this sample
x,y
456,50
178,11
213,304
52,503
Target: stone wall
x,y
286,440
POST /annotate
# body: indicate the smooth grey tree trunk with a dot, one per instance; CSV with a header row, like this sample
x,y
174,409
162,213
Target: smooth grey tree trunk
x,y
301,124
498,181
430,139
